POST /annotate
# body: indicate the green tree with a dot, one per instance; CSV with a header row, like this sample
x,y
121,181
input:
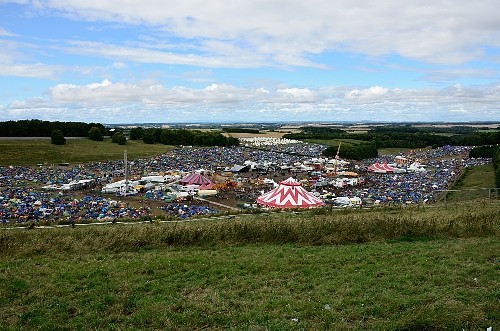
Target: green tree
x,y
166,137
57,137
149,136
116,138
185,137
95,134
136,133
231,141
121,139
219,139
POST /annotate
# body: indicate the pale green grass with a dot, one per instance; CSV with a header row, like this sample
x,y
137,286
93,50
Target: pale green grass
x,y
435,285
434,268
475,184
395,151
334,142
31,152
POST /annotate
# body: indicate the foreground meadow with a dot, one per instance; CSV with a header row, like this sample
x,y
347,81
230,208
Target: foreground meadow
x,y
389,269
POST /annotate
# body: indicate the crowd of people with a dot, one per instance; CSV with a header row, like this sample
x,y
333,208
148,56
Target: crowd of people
x,y
22,198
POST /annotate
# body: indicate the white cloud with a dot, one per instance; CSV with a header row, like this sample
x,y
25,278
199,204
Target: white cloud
x,y
118,65
148,101
37,70
374,92
5,33
434,31
373,46
296,95
15,62
148,55
198,76
450,74
33,103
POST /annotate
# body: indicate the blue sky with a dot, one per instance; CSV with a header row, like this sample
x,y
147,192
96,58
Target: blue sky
x,y
249,61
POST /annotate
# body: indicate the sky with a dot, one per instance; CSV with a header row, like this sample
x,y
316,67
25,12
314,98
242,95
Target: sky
x,y
199,61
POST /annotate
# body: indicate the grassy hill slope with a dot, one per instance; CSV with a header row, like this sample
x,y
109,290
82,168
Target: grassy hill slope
x,y
391,269
475,184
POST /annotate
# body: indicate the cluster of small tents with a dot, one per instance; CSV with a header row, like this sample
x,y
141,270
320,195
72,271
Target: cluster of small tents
x,y
386,168
287,194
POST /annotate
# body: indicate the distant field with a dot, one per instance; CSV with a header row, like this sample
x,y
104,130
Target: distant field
x,y
334,142
490,130
392,151
31,152
357,131
251,135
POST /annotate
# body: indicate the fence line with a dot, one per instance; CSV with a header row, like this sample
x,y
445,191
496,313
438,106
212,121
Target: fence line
x,y
492,191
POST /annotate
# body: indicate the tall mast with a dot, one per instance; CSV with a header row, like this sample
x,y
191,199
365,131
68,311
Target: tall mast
x,y
335,165
126,171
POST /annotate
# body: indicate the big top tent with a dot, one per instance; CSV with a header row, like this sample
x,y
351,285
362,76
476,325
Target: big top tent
x,y
197,179
381,168
289,194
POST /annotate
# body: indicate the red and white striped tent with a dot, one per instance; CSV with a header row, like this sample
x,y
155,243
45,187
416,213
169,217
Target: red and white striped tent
x,y
382,168
289,194
197,179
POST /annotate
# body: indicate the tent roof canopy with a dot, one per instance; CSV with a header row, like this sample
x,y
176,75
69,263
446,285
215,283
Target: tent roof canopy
x,y
380,167
196,179
289,194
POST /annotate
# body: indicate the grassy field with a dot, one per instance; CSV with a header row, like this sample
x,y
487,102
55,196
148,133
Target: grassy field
x,y
474,184
387,269
334,142
264,134
414,268
31,152
392,151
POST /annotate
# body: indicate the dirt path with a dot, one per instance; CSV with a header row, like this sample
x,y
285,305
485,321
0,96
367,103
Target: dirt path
x,y
216,203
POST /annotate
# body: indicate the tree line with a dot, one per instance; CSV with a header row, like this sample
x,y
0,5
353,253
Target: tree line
x,y
182,137
408,128
38,128
484,151
57,131
352,152
396,139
